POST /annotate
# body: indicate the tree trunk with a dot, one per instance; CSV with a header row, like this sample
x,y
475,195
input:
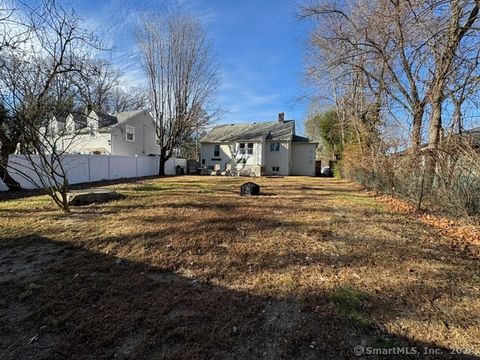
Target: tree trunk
x,y
433,140
163,160
457,116
435,123
11,183
417,129
65,206
161,170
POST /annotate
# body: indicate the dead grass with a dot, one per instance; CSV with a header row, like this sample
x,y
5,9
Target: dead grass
x,y
464,234
186,268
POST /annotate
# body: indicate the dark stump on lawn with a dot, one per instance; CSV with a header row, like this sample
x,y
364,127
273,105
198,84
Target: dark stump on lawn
x,y
249,188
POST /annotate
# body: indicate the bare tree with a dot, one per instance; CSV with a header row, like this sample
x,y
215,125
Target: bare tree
x,y
461,18
463,87
98,80
394,62
13,31
10,134
381,40
12,35
36,84
182,77
101,89
127,99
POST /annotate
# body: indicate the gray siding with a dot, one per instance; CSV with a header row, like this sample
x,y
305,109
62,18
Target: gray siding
x,y
144,143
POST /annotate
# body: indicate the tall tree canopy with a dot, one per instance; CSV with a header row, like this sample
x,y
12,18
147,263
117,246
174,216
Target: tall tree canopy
x,y
182,77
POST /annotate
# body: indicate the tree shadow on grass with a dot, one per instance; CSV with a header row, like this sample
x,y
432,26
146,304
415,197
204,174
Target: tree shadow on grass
x,y
64,301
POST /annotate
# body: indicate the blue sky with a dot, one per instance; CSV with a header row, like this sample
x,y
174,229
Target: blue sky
x,y
258,45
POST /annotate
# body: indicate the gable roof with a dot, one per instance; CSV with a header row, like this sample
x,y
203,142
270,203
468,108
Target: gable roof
x,y
59,119
126,115
280,131
302,139
79,120
105,120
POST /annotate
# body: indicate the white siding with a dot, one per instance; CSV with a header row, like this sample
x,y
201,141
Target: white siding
x,y
280,159
290,159
69,123
209,160
113,140
247,159
303,159
86,144
230,156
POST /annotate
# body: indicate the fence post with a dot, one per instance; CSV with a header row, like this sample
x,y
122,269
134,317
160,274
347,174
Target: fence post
x,y
89,170
136,165
108,166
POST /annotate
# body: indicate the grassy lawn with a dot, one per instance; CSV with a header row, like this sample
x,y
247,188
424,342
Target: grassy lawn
x,y
186,268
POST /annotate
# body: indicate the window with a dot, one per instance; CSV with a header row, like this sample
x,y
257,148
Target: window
x,y
250,148
275,168
70,125
216,150
242,149
203,161
93,130
130,133
53,129
275,147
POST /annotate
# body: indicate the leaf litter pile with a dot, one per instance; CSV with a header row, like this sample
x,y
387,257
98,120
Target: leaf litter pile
x,y
464,237
186,268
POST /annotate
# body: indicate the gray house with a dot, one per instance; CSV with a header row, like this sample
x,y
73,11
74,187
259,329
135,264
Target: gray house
x,y
266,148
124,133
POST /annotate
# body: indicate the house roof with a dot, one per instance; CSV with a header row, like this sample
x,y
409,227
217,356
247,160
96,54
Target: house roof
x,y
302,139
79,120
125,115
60,119
105,120
251,132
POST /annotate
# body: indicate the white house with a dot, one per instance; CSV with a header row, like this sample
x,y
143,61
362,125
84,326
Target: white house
x,y
267,148
124,133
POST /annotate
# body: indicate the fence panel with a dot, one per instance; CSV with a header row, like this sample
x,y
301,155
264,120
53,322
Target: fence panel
x,y
77,168
171,164
147,165
90,168
99,167
122,167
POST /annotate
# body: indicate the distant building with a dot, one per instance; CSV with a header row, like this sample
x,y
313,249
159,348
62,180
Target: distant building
x,y
124,133
267,148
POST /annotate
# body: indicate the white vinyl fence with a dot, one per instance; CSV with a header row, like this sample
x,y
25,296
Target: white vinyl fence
x,y
90,168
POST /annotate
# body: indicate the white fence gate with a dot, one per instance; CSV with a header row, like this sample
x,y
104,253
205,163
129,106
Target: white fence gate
x,y
90,168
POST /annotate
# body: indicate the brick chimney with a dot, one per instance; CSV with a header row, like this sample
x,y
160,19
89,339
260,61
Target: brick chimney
x,y
281,117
